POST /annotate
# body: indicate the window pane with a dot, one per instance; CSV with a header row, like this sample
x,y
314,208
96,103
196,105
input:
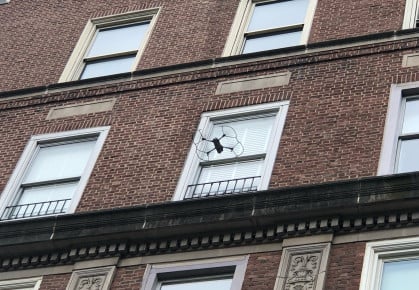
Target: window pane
x,y
221,284
230,171
60,161
253,135
401,275
119,39
47,193
411,117
43,200
278,14
408,157
274,41
107,67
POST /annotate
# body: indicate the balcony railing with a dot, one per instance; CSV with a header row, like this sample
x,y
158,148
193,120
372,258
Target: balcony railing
x,y
223,187
35,209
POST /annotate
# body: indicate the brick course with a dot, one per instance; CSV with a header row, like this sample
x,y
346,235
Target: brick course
x,y
345,266
37,38
326,136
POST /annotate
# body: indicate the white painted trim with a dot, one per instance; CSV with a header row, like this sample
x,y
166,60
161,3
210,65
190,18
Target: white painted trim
x,y
34,283
235,40
388,153
192,161
376,253
75,64
13,185
410,14
150,278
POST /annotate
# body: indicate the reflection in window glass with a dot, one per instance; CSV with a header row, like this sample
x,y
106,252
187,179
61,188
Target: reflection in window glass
x,y
273,41
219,284
118,39
408,156
60,161
403,275
107,67
411,117
278,14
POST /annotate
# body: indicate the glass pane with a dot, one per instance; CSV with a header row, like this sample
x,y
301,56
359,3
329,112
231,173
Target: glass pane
x,y
60,161
43,200
47,193
105,67
221,284
274,41
411,117
403,275
230,171
278,14
408,156
246,137
118,39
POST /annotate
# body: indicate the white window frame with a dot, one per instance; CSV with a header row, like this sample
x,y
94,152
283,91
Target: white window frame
x,y
21,284
151,277
75,64
392,129
14,184
410,14
377,253
205,126
236,39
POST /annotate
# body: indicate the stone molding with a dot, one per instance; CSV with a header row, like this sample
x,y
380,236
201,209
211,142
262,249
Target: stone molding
x,y
303,267
254,83
81,109
92,279
344,208
273,234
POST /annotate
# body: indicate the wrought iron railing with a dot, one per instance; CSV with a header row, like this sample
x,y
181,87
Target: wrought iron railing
x,y
35,209
222,187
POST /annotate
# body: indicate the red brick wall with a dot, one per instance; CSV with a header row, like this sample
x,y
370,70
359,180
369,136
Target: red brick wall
x,y
333,129
261,271
340,19
55,282
128,278
345,266
37,37
343,271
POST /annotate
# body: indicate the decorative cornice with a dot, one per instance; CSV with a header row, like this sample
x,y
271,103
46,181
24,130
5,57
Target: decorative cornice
x,y
362,205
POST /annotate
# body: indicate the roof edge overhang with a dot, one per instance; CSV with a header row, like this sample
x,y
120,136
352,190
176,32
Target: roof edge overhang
x,y
356,198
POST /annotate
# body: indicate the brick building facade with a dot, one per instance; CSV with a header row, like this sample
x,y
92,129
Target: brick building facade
x,y
111,114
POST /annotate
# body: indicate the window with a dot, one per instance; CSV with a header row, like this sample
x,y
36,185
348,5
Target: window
x,y
4,1
264,25
392,264
110,45
407,159
401,133
251,141
220,274
21,284
52,174
411,14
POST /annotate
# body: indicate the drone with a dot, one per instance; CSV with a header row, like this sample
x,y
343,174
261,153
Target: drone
x,y
227,141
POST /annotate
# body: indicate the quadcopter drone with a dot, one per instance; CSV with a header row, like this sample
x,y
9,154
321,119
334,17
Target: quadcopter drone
x,y
228,140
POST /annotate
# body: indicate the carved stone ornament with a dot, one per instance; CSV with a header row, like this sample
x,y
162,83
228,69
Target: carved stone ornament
x,y
303,267
303,272
91,279
91,283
